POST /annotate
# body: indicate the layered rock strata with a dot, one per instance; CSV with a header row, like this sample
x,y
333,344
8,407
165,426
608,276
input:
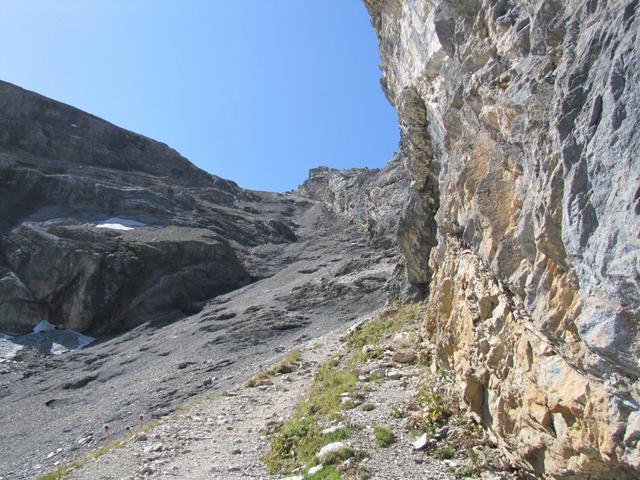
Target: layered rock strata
x,y
66,176
519,128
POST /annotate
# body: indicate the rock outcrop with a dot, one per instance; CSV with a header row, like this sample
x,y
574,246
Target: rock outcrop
x,y
519,127
102,229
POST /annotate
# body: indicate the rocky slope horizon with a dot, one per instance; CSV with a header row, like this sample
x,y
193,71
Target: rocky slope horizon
x,y
512,209
188,281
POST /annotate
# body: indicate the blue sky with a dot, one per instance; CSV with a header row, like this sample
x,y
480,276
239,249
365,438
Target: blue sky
x,y
257,91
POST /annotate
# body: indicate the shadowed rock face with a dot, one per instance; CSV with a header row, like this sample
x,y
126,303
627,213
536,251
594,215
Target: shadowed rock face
x,y
520,128
63,172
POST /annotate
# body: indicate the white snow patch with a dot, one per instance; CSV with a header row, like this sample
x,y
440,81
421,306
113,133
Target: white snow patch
x,y
45,338
117,223
73,125
8,349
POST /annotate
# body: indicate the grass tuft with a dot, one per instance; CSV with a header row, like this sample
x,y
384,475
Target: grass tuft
x,y
327,473
444,453
384,436
338,456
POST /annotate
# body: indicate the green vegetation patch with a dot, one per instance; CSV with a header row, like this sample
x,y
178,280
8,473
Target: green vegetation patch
x,y
444,453
301,437
327,473
288,364
383,327
384,436
338,456
60,472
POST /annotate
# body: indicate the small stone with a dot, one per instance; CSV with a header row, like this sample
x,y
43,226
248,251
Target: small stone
x,y
394,374
153,448
147,470
236,451
405,356
421,442
331,447
314,470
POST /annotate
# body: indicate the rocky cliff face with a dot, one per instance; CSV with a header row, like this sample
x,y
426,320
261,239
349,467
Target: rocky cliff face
x,y
519,128
102,229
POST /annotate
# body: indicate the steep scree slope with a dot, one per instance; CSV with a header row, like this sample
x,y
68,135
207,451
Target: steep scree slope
x,y
520,129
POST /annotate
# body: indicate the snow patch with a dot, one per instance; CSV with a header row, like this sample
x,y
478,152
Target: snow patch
x,y
117,223
45,338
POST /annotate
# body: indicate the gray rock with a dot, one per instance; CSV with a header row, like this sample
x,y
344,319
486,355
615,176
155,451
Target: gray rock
x,y
519,126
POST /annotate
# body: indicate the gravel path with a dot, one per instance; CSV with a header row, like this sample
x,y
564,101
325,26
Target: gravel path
x,y
217,437
223,435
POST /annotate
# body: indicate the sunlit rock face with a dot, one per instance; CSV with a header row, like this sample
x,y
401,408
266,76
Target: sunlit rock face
x,y
520,130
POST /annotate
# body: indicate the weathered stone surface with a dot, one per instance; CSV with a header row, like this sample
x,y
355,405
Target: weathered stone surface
x,y
519,127
64,172
376,200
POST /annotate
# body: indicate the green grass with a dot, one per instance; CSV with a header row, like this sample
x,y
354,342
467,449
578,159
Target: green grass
x,y
325,395
383,327
338,456
327,473
464,472
297,444
434,410
301,437
384,436
60,472
444,453
396,412
257,379
288,364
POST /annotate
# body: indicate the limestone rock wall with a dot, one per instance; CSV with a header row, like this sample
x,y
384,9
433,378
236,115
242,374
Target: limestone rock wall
x,y
382,203
519,128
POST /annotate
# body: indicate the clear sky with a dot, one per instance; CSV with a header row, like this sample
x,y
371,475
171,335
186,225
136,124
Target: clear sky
x,y
257,91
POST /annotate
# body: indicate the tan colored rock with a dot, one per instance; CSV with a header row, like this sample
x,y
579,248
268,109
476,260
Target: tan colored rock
x,y
519,126
405,356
